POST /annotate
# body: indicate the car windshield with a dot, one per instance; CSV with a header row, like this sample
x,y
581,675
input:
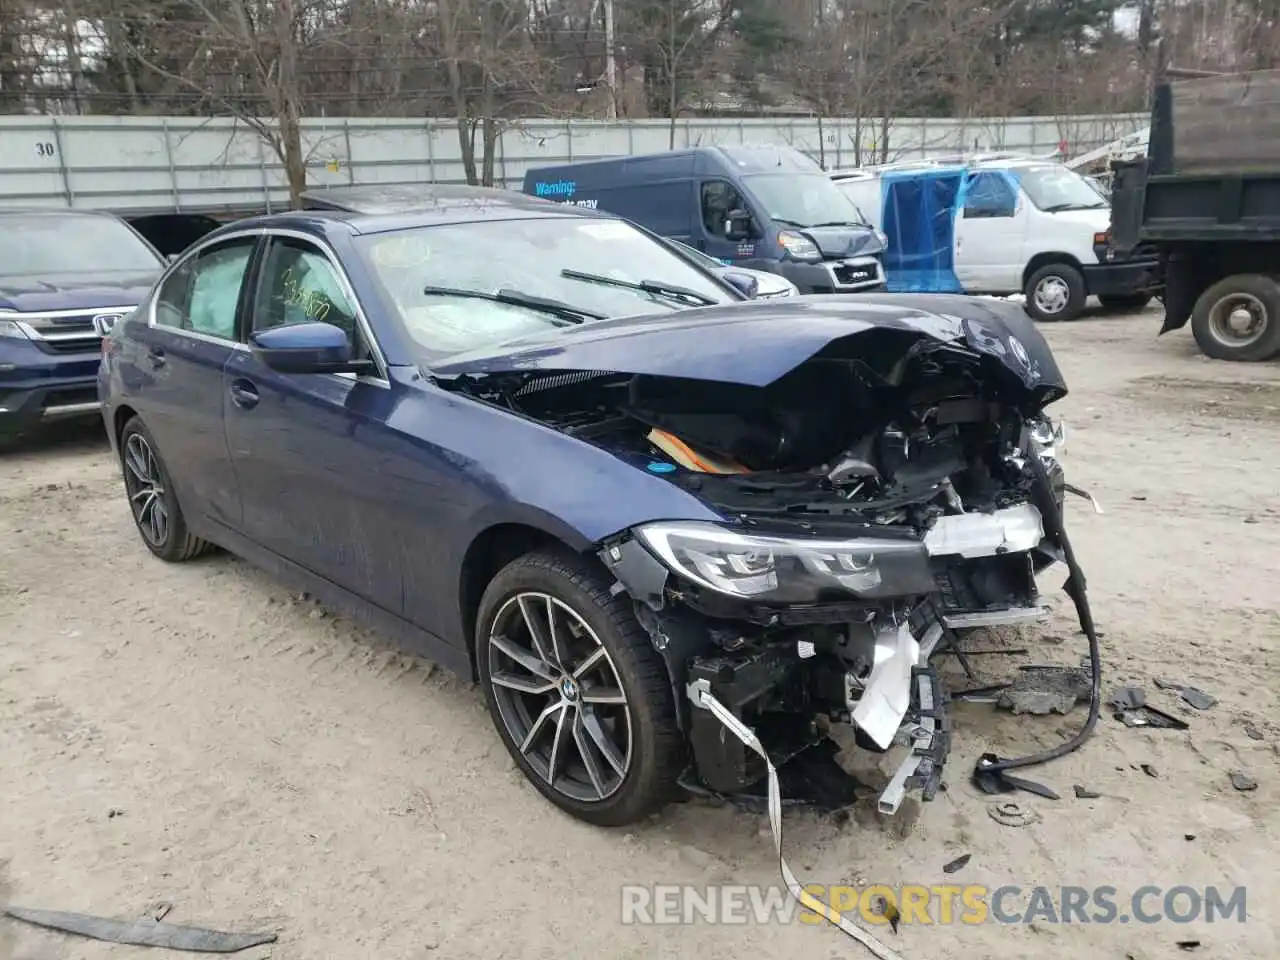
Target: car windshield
x,y
1054,188
803,200
528,258
697,256
47,245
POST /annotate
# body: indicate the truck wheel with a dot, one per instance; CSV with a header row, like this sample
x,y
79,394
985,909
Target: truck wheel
x,y
1125,301
1055,292
580,698
1238,318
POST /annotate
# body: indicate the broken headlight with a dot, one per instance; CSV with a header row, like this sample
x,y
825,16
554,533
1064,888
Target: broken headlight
x,y
1049,439
785,570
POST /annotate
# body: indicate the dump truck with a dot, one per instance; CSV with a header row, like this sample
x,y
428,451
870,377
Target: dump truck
x,y
1206,199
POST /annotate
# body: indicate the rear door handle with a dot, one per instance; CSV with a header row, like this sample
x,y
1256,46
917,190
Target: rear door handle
x,y
155,355
244,394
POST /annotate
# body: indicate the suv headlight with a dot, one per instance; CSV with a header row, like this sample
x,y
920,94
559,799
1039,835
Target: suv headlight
x,y
10,328
798,245
785,570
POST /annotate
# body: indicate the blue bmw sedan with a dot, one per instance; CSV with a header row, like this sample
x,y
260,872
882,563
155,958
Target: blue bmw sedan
x,y
535,445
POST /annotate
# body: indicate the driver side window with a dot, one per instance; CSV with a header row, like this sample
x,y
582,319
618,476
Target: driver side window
x,y
718,199
989,195
300,284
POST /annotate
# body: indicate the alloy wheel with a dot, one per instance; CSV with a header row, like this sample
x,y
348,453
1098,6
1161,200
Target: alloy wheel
x,y
559,696
145,486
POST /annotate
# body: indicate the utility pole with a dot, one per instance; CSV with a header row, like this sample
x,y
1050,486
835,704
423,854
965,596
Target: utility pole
x,y
610,64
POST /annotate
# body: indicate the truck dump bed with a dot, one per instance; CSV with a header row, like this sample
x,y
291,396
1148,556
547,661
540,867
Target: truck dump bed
x,y
1212,172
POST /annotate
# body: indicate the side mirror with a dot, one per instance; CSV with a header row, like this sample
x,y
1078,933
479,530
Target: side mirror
x,y
307,348
737,225
744,283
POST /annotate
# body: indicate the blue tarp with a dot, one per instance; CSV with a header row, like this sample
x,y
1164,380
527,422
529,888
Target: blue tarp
x,y
920,208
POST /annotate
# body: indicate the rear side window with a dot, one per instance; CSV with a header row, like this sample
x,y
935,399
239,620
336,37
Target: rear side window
x,y
989,195
202,293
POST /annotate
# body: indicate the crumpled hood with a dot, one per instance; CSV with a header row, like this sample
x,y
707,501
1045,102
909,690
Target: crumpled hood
x,y
75,291
756,343
837,243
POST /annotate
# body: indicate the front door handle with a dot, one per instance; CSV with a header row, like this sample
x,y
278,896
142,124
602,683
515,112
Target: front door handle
x,y
155,356
244,394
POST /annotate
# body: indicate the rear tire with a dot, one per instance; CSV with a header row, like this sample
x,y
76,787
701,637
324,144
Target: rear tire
x,y
152,501
576,691
1054,293
1125,301
1238,318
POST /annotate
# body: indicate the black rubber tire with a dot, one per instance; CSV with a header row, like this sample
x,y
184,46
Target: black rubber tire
x,y
1125,301
657,745
179,543
1266,289
1076,296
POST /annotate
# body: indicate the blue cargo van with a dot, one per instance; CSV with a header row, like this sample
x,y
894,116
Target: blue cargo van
x,y
763,208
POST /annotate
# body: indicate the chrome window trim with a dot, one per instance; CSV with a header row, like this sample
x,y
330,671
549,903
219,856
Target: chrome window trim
x,y
379,359
382,378
199,248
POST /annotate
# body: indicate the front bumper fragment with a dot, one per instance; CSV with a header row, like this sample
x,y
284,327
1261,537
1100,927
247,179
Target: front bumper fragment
x,y
969,535
930,744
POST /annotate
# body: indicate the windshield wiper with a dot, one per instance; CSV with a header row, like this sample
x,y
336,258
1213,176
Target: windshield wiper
x,y
644,286
791,223
841,223
517,299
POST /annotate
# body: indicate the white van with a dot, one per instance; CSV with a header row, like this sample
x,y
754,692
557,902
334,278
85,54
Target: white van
x,y
1013,225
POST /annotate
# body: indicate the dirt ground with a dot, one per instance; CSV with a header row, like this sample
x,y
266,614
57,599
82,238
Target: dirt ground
x,y
196,735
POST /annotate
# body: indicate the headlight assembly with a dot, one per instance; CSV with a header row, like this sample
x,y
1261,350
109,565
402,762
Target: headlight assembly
x,y
11,329
1049,439
786,570
798,245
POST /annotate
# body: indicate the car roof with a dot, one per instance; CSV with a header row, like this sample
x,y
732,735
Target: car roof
x,y
444,199
55,212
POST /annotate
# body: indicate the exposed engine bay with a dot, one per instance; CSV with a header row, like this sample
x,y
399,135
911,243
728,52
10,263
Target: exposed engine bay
x,y
877,499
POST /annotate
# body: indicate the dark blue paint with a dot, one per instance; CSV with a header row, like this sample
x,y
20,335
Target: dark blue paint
x,y
370,494
663,193
33,377
755,343
77,291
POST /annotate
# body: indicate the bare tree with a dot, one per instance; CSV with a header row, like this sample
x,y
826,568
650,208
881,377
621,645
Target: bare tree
x,y
683,46
245,60
494,71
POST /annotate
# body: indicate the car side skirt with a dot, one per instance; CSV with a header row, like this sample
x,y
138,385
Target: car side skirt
x,y
407,636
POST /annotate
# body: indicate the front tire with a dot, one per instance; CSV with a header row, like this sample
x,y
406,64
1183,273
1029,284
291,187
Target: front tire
x,y
579,696
1238,318
152,501
1055,292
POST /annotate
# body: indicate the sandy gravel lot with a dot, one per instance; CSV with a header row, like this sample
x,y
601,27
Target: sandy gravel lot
x,y
195,734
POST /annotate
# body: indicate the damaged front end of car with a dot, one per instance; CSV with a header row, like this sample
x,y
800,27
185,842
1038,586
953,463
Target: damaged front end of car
x,y
881,495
